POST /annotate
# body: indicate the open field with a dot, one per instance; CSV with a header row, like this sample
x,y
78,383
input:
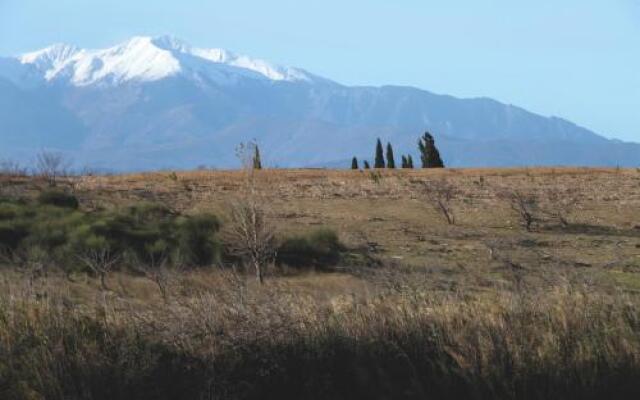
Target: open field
x,y
415,308
391,216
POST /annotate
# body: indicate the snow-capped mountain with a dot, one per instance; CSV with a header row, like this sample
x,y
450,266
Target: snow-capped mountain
x,y
146,59
159,102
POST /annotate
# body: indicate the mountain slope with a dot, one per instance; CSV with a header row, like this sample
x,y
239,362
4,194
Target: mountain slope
x,y
157,102
145,59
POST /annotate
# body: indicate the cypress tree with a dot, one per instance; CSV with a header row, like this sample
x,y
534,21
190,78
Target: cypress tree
x,y
257,164
379,160
391,162
404,162
429,154
366,164
409,161
354,163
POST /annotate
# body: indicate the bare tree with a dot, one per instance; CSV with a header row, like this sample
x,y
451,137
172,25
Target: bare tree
x,y
524,204
156,267
12,168
8,170
100,258
51,165
440,194
250,236
560,203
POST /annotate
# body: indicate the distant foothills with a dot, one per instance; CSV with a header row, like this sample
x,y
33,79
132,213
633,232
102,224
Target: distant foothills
x,y
157,102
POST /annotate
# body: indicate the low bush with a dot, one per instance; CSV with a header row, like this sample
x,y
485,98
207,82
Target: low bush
x,y
318,249
195,240
54,224
12,233
58,198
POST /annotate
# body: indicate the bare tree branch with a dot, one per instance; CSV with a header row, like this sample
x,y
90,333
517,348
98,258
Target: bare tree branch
x,y
101,260
440,194
51,165
250,236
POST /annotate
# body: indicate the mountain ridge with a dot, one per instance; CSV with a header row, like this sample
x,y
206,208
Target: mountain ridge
x,y
159,102
145,59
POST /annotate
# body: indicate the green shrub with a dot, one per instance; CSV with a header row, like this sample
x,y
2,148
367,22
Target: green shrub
x,y
58,198
12,234
147,212
8,211
319,249
143,231
196,241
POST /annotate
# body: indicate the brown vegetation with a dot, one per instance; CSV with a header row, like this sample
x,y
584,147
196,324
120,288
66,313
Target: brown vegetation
x,y
412,307
407,335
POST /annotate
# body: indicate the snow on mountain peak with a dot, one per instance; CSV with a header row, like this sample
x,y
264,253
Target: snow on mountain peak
x,y
143,58
171,43
135,59
51,59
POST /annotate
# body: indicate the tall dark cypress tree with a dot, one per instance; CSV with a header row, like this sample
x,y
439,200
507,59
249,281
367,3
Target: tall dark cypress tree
x,y
404,162
429,154
257,163
409,161
391,162
379,160
366,164
354,163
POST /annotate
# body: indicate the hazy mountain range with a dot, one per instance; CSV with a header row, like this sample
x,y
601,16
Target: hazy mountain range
x,y
159,103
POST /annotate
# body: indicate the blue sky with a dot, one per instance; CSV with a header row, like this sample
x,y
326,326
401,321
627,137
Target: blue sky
x,y
578,59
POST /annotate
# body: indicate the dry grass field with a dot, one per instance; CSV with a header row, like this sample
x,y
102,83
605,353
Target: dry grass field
x,y
389,213
416,308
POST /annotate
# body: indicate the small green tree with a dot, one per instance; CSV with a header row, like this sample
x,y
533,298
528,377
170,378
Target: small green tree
x,y
379,160
404,162
409,161
354,163
429,153
391,162
257,163
366,164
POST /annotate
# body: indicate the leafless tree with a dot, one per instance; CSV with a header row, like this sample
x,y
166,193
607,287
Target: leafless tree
x,y
12,168
101,260
524,204
250,235
440,194
156,267
8,170
51,165
560,203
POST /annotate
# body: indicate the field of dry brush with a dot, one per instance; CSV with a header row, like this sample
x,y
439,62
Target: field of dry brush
x,y
529,289
391,214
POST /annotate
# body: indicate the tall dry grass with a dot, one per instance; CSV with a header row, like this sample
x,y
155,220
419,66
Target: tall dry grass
x,y
228,338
